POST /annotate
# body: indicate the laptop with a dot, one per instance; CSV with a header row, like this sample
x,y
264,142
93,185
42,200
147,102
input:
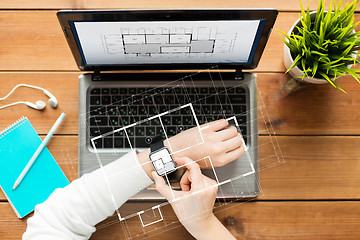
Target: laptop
x,y
188,63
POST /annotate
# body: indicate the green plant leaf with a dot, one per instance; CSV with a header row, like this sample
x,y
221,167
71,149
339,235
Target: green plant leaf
x,y
331,81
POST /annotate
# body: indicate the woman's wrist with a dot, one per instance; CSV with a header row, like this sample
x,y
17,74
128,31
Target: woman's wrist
x,y
201,227
208,228
145,162
172,144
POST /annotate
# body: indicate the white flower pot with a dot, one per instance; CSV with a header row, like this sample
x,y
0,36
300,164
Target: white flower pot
x,y
288,61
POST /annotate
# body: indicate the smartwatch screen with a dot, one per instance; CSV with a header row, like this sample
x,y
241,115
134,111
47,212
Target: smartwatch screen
x,y
162,161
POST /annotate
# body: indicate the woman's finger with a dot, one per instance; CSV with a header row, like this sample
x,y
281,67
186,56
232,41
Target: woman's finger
x,y
227,133
185,182
161,186
232,144
195,175
214,126
232,155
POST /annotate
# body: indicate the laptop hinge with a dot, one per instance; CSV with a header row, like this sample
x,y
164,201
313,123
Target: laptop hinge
x,y
239,75
96,75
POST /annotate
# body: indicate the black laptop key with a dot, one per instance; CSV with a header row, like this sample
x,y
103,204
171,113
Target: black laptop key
x,y
132,91
123,91
176,120
108,142
141,90
243,130
171,131
95,91
143,110
133,110
118,142
204,90
158,99
197,109
185,111
155,122
139,131
216,109
142,142
180,99
150,131
166,120
147,100
98,121
211,99
222,98
150,91
114,91
241,119
94,132
94,110
105,130
169,99
230,90
206,109
240,90
98,143
239,109
127,99
130,132
159,131
201,120
116,99
237,99
111,110
129,141
124,120
94,100
153,110
162,108
177,90
114,121
201,99
187,120
105,100
122,110
105,91
191,98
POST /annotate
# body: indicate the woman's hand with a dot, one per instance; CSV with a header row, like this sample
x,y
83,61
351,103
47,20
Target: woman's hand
x,y
194,204
221,143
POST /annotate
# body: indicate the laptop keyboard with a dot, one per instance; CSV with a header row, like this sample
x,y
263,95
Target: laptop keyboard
x,y
113,108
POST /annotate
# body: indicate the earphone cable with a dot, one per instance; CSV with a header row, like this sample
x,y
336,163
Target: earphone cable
x,y
20,85
11,104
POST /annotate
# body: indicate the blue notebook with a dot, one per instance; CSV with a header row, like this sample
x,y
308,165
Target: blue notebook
x,y
18,143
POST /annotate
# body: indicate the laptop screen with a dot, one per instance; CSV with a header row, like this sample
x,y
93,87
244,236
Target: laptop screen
x,y
167,39
160,42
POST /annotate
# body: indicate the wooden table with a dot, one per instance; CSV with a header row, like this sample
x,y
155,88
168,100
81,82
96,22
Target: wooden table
x,y
313,195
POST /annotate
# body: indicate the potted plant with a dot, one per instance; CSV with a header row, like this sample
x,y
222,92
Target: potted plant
x,y
322,45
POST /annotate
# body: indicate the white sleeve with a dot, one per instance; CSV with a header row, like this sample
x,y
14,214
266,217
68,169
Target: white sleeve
x,y
73,211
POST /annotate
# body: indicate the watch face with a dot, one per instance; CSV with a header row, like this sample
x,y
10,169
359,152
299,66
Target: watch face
x,y
162,161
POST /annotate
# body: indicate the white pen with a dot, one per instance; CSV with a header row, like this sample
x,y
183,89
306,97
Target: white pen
x,y
38,151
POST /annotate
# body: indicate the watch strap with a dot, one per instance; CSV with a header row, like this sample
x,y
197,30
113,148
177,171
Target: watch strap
x,y
157,143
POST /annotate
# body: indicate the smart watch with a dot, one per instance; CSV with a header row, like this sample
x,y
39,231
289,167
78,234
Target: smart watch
x,y
160,157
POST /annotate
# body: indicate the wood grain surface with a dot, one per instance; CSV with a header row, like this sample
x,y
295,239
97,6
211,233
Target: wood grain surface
x,y
310,170
313,194
314,110
253,220
283,5
37,43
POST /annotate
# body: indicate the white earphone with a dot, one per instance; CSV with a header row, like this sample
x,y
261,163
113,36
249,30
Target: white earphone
x,y
39,105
